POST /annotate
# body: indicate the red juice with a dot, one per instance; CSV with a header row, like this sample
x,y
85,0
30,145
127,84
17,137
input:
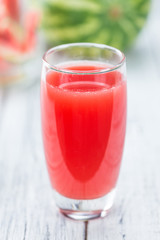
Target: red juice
x,y
83,125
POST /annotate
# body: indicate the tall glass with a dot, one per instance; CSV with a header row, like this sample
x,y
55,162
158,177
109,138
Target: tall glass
x,y
83,109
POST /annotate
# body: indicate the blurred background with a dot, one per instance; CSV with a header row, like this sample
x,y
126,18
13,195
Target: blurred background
x,y
28,28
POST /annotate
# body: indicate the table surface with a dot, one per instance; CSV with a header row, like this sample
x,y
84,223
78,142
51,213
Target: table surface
x,y
27,209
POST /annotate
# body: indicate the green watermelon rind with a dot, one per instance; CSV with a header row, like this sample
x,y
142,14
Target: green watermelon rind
x,y
92,21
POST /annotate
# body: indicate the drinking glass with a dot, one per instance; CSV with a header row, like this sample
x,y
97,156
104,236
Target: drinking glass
x,y
83,111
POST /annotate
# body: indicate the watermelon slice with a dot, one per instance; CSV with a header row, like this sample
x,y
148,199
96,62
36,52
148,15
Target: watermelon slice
x,y
17,39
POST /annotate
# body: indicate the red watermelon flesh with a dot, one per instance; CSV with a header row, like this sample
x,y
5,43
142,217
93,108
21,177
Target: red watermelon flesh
x,y
13,8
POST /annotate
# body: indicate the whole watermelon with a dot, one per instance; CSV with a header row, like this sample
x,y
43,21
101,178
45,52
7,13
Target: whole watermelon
x,y
112,22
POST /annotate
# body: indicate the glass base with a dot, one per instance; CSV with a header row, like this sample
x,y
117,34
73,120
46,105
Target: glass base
x,y
84,209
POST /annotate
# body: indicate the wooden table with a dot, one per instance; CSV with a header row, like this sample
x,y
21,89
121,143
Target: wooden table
x,y
27,209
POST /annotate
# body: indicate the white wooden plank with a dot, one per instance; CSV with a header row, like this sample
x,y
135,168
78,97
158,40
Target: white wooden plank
x,y
136,213
27,209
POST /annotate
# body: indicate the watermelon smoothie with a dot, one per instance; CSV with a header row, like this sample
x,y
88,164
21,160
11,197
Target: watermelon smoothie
x,y
83,123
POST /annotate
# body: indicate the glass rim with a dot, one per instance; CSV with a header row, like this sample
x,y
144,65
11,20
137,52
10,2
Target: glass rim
x,y
85,44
